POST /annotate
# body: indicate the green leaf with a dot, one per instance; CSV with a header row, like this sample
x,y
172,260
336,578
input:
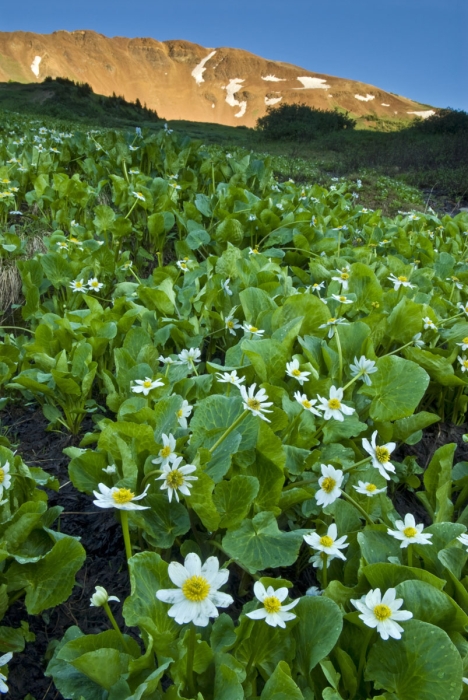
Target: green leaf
x,y
233,499
397,388
163,522
104,217
438,482
258,543
387,575
68,680
377,546
405,321
422,665
403,428
280,685
201,500
319,626
268,358
432,605
103,666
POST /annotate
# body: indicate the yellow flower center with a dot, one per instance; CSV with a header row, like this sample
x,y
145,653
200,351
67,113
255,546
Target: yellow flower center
x,y
410,531
371,488
375,304
382,454
123,496
140,195
328,484
165,452
306,404
254,404
73,239
230,324
147,383
334,404
196,588
183,265
175,479
2,476
78,285
326,541
272,604
465,363
402,278
95,283
344,276
342,298
455,279
296,372
331,320
180,413
382,612
465,340
253,329
255,251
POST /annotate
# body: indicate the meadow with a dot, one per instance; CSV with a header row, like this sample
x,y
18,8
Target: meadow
x,y
233,457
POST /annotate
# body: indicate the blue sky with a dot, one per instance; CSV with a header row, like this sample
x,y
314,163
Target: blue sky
x,y
415,48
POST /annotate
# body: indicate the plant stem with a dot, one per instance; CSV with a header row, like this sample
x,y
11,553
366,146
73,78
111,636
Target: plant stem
x,y
148,476
115,625
362,657
192,640
410,555
340,355
227,432
351,500
126,533
358,464
324,570
354,379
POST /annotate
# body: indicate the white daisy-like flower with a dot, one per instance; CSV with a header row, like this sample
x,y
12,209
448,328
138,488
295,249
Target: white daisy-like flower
x,y
331,323
252,217
111,469
330,485
5,477
183,265
343,277
368,489
3,662
383,613
429,324
94,284
231,324
380,455
317,286
273,612
197,597
134,171
78,286
292,370
248,328
400,281
166,360
15,213
464,344
254,251
408,532
189,357
464,363
464,308
167,452
133,148
139,196
342,299
62,245
416,340
363,367
307,404
100,596
183,413
464,540
333,406
317,560
176,478
230,378
330,544
455,281
122,499
144,386
257,403
225,287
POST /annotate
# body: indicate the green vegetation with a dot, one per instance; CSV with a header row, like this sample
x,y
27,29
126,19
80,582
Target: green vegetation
x,y
298,122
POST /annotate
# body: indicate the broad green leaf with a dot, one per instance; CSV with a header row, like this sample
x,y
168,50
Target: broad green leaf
x,y
233,499
268,358
280,686
438,482
68,680
405,321
432,605
377,546
201,500
103,666
163,521
387,575
319,626
397,388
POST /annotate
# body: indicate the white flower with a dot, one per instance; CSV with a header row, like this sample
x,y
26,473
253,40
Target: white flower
x,y
225,287
252,329
464,363
139,196
342,299
144,386
189,357
78,286
176,479
317,286
256,402
3,662
400,281
464,308
254,251
313,591
330,483
292,370
252,217
332,407
123,499
464,540
5,477
455,281
408,532
363,367
134,171
232,324
317,560
331,323
183,413
111,469
429,323
94,284
368,489
330,544
100,597
166,360
380,455
230,378
343,278
182,265
273,612
197,597
62,245
307,404
464,344
167,452
416,340
383,613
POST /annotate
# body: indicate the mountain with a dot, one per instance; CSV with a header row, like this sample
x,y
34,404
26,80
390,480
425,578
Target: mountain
x,y
181,80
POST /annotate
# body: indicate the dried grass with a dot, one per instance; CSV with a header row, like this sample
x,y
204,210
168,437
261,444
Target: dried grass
x,y
10,278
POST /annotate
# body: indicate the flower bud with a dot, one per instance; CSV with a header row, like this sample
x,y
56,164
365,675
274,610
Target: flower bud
x,y
101,597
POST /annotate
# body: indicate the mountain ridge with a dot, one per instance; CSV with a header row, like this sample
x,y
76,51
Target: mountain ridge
x,y
183,80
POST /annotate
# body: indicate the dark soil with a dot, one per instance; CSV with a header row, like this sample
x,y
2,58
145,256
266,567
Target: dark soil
x,y
101,537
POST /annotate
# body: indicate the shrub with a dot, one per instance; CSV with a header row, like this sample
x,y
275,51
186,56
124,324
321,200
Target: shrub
x,y
446,121
298,121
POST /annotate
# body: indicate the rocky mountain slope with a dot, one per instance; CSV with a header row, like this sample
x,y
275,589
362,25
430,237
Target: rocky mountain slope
x,y
181,80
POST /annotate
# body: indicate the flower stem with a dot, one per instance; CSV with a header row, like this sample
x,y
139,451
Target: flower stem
x,y
227,432
351,500
410,555
126,533
115,626
357,464
362,657
340,355
324,571
192,640
354,379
